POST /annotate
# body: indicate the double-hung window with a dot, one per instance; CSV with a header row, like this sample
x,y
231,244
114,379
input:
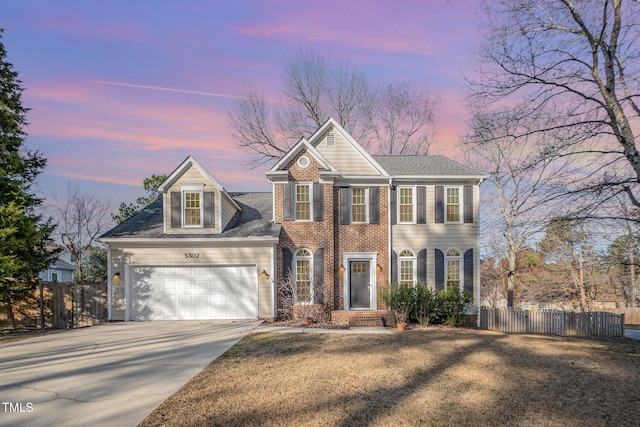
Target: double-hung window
x,y
192,205
453,205
303,202
192,209
358,205
407,261
303,268
406,205
453,263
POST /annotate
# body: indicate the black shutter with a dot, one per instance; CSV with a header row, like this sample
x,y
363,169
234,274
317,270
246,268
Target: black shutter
x,y
422,266
468,204
422,205
374,205
176,209
393,203
439,204
287,205
439,270
317,202
344,206
394,267
468,271
209,211
287,263
318,276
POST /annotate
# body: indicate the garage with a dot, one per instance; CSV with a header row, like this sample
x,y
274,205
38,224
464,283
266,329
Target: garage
x,y
194,293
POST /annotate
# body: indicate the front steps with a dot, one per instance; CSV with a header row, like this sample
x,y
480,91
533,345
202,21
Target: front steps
x,y
363,317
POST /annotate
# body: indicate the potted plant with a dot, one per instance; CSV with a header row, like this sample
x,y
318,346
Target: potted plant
x,y
400,300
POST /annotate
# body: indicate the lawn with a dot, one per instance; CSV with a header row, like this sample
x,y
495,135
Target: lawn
x,y
434,376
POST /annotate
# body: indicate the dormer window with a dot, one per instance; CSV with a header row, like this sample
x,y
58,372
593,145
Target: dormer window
x,y
192,205
192,209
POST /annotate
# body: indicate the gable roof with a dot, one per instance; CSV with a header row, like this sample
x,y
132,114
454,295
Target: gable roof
x,y
182,168
293,151
61,264
425,166
332,123
252,221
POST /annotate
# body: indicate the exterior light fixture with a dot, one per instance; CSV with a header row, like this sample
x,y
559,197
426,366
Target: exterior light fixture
x,y
116,278
264,275
378,268
341,269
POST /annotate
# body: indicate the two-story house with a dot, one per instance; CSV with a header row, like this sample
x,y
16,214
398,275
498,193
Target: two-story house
x,y
339,222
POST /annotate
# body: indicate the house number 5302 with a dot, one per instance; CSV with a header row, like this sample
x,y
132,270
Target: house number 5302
x,y
191,255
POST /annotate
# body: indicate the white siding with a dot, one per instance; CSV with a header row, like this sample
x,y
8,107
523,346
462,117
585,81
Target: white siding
x,y
433,236
191,176
344,157
228,211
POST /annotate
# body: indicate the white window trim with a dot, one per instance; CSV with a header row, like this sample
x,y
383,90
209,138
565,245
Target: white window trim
x,y
460,267
366,205
414,261
295,202
192,188
58,272
413,202
372,257
460,204
309,258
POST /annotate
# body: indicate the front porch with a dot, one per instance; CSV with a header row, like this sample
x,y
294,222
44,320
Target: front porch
x,y
363,317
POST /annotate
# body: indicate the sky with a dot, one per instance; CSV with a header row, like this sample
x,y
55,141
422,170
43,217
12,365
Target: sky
x,y
121,90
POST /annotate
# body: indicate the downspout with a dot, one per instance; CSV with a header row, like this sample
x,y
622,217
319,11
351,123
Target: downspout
x,y
109,278
390,226
274,280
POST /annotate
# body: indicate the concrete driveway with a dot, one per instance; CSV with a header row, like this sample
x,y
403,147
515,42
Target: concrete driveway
x,y
108,375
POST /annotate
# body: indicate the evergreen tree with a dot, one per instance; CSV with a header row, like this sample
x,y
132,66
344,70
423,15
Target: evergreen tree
x,y
25,238
150,185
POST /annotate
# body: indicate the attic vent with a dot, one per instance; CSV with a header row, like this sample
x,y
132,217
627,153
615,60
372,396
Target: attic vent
x,y
304,161
331,139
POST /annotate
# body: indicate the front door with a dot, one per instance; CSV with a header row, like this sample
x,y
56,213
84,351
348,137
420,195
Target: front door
x,y
359,280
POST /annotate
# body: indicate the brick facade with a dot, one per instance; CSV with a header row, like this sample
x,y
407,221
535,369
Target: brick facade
x,y
328,234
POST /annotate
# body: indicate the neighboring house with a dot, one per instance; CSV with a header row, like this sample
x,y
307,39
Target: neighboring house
x,y
59,271
338,220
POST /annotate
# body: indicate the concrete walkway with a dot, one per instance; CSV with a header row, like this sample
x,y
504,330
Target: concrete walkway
x,y
109,375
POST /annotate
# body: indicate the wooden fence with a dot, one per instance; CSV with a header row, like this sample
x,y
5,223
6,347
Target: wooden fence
x,y
631,315
61,306
594,323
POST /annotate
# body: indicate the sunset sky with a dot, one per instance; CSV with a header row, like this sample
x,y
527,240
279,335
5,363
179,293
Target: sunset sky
x,y
120,90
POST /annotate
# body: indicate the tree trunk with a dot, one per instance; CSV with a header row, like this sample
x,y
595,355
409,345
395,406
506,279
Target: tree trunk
x,y
511,276
10,314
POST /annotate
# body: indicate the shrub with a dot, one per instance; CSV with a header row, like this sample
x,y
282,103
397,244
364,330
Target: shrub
x,y
426,305
400,299
451,305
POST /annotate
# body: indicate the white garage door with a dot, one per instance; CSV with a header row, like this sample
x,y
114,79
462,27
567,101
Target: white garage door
x,y
194,293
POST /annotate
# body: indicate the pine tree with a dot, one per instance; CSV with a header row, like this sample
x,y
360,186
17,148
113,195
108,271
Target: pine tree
x,y
25,238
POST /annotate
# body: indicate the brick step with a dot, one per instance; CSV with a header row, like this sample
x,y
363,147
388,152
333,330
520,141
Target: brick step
x,y
363,318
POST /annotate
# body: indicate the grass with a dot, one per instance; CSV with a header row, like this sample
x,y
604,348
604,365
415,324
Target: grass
x,y
10,335
435,376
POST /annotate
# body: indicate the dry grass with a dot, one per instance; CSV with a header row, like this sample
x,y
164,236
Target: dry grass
x,y
436,376
10,335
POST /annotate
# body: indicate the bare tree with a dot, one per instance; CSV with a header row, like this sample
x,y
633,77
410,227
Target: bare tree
x,y
400,117
405,120
300,301
580,62
523,182
82,218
